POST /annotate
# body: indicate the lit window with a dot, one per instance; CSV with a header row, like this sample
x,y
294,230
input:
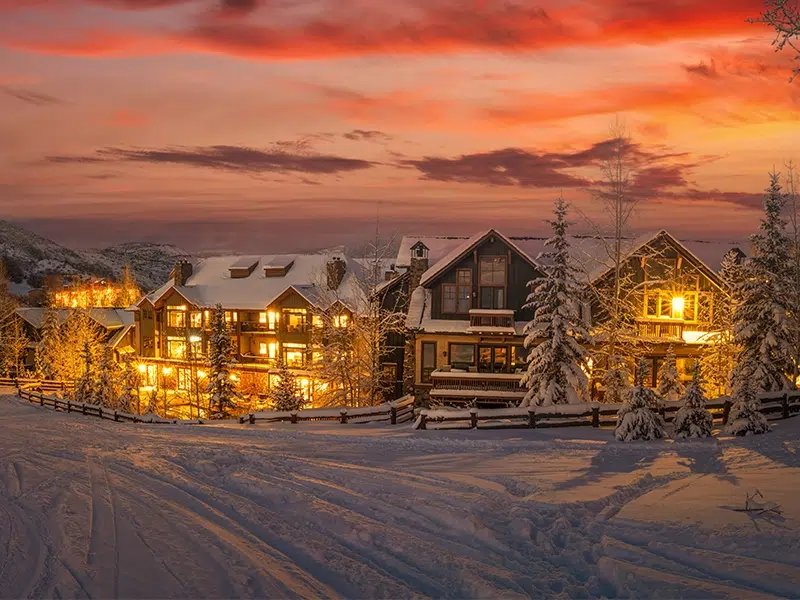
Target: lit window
x,y
316,321
196,319
294,355
262,348
272,320
231,316
176,348
262,318
176,317
340,321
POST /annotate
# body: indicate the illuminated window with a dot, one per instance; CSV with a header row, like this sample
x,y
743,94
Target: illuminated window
x,y
231,316
184,379
262,318
294,355
316,321
196,347
150,375
272,320
195,319
176,316
262,348
340,321
272,349
176,348
296,320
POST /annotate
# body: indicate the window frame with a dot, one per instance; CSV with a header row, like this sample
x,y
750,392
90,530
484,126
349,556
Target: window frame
x,y
450,347
426,377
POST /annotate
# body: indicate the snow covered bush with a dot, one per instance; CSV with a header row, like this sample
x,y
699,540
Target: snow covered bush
x,y
745,417
617,380
84,387
693,420
129,382
670,387
284,395
557,365
152,402
636,419
221,386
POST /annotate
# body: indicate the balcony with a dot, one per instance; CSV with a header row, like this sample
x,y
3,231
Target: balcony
x,y
255,327
660,329
487,321
487,388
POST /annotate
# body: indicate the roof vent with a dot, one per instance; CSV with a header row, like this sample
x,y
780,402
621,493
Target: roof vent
x,y
243,267
279,266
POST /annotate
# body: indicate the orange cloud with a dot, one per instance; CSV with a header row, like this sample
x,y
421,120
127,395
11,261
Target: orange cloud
x,y
126,118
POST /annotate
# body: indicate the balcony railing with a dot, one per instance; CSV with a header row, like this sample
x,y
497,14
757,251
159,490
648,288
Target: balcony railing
x,y
488,387
251,326
660,329
486,320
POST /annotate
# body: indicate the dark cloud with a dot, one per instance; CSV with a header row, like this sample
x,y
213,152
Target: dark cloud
x,y
237,8
31,97
707,70
227,158
367,135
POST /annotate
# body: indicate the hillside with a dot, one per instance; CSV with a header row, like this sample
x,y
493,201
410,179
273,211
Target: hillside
x,y
29,258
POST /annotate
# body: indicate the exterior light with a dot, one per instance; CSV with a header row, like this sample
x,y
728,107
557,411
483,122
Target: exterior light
x,y
166,371
195,339
677,307
142,368
201,374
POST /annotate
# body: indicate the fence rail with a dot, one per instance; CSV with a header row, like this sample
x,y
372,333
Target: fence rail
x,y
778,405
395,413
46,385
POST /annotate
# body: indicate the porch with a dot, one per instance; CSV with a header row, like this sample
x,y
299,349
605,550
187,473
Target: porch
x,y
489,389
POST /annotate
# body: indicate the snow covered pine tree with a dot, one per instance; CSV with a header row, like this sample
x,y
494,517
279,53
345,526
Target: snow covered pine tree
x,y
221,386
84,387
693,420
762,326
129,380
746,417
284,396
105,391
670,387
636,420
557,366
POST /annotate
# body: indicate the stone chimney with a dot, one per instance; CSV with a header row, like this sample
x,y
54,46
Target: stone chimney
x,y
181,272
417,265
390,273
336,271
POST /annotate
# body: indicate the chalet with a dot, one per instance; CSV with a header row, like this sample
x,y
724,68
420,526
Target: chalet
x,y
467,312
271,302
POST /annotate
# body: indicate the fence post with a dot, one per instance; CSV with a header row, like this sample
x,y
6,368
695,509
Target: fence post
x,y
785,406
293,416
473,418
422,420
252,419
532,417
116,417
69,406
393,415
343,416
100,412
726,411
595,416
41,399
83,408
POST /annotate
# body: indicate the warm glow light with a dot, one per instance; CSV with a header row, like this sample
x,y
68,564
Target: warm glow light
x,y
694,337
166,371
273,349
262,317
195,339
234,377
677,307
201,374
142,368
262,348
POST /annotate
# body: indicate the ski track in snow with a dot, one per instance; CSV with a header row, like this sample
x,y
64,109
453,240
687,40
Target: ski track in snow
x,y
97,509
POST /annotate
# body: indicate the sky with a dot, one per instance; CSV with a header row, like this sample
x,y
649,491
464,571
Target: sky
x,y
270,125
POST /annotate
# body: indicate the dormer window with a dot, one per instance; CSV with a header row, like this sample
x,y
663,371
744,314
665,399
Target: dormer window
x,y
419,250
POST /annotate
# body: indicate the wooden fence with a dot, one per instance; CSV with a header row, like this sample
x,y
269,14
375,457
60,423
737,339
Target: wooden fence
x,y
776,405
27,392
45,385
395,413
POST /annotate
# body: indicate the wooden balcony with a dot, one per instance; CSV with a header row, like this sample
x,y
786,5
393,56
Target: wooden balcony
x,y
483,320
487,388
661,329
255,327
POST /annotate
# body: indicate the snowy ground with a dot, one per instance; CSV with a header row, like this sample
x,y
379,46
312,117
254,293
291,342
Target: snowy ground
x,y
100,509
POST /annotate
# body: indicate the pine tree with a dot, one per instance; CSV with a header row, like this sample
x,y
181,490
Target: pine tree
x,y
127,291
637,420
84,387
105,391
130,388
221,386
746,417
763,328
284,396
557,365
152,402
48,353
693,420
617,380
719,354
670,387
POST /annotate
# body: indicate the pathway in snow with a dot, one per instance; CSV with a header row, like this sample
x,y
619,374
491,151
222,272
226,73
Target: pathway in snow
x,y
99,509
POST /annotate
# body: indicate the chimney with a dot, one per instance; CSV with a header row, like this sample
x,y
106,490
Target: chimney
x,y
336,270
181,272
390,274
417,265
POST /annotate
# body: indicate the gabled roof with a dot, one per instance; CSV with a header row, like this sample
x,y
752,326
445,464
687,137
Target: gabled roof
x,y
465,248
108,318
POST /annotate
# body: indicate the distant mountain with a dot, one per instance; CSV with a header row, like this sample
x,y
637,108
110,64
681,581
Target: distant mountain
x,y
29,258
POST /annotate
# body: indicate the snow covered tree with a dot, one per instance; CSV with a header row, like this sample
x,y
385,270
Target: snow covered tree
x,y
127,292
670,387
221,386
636,420
557,365
85,386
13,346
285,396
152,402
105,392
617,380
77,330
763,327
129,381
49,346
746,417
719,354
693,420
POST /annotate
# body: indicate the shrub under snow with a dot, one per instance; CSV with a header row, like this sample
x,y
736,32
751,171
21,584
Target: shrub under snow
x,y
746,417
636,419
693,420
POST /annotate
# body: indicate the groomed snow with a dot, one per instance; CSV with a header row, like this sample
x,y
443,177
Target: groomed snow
x,y
92,508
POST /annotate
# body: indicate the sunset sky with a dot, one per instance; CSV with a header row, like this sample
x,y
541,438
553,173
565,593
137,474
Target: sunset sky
x,y
269,125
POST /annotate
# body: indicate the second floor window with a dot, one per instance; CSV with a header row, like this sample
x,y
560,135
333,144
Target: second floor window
x,y
176,348
457,297
493,297
196,319
493,270
176,317
295,320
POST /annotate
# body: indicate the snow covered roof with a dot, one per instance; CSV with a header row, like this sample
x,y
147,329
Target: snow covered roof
x,y
211,282
108,318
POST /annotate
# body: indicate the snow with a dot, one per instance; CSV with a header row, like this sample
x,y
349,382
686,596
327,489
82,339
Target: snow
x,y
103,509
109,318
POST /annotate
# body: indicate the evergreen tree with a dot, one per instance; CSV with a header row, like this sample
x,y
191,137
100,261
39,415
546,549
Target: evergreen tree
x,y
130,388
719,354
670,387
636,419
84,386
763,328
693,420
221,386
617,380
557,365
127,291
746,417
284,396
105,391
48,354
152,401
